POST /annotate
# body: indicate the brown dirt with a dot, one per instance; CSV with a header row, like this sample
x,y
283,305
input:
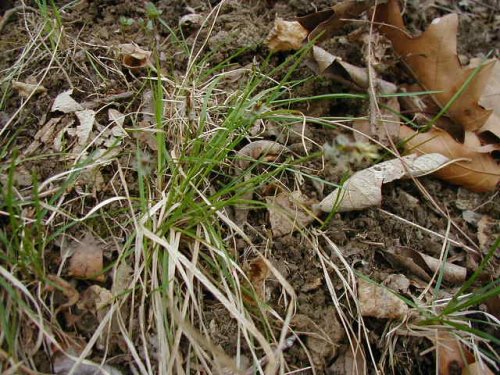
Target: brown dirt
x,y
361,236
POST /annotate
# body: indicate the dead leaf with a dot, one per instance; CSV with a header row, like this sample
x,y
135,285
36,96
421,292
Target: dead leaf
x,y
479,172
86,118
432,57
63,364
410,260
487,232
28,89
378,302
323,336
490,99
134,57
363,188
286,36
330,66
324,24
257,272
288,213
65,103
424,266
452,357
349,363
66,288
191,20
452,273
87,259
477,368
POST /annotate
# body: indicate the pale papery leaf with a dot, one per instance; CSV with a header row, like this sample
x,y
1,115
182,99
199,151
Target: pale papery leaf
x,y
86,119
65,103
363,188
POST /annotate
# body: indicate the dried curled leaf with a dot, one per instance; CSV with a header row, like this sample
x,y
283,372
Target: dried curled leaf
x,y
325,23
363,189
424,266
478,172
328,65
134,57
286,36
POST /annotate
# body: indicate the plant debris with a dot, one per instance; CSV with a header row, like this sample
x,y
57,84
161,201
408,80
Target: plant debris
x,y
86,261
363,189
378,302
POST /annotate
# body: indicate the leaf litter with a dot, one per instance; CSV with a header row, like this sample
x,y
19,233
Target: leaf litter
x,y
365,240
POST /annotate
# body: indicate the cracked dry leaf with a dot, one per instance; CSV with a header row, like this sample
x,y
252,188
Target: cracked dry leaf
x,y
378,302
474,170
363,188
432,57
287,212
65,103
87,259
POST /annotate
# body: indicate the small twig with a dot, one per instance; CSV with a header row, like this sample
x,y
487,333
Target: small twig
x,y
9,13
